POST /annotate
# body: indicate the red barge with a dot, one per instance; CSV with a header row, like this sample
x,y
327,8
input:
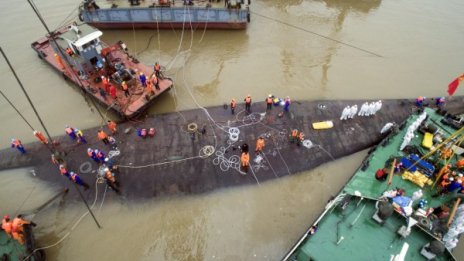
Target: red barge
x,y
100,70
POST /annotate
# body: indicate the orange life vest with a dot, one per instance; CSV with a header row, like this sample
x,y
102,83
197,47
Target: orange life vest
x,y
460,163
101,135
233,103
259,144
17,225
16,143
157,67
301,136
90,153
269,100
112,125
7,226
109,176
294,133
248,100
245,158
105,81
124,86
68,130
73,177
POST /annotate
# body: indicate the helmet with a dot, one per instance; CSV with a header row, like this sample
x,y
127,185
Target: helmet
x,y
103,77
270,95
141,73
451,179
96,150
61,166
460,175
89,149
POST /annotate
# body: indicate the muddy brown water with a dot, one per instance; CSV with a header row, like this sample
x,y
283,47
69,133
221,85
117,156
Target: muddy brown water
x,y
384,49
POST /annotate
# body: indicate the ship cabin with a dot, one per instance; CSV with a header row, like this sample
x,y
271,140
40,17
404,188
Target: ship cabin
x,y
82,48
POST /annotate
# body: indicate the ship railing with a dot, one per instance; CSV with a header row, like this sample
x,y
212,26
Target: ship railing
x,y
334,202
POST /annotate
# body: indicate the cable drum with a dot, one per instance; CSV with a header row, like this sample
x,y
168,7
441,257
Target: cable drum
x,y
233,134
85,167
192,127
308,144
206,151
113,153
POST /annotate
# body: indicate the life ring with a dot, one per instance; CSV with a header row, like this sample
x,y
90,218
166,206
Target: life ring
x,y
192,127
85,167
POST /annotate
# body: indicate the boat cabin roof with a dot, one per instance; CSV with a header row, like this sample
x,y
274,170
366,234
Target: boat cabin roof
x,y
86,34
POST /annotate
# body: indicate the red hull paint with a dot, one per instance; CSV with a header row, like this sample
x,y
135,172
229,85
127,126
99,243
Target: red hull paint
x,y
126,107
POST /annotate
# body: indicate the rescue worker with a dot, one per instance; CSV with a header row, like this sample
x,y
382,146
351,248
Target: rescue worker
x,y
113,92
125,89
112,126
56,159
245,160
64,171
100,156
18,228
157,69
259,145
102,93
91,154
149,89
244,147
70,132
69,52
301,137
420,101
269,101
7,225
143,79
287,104
76,179
106,83
247,101
15,143
80,136
440,102
233,104
460,163
103,137
155,81
41,137
59,61
294,136
111,181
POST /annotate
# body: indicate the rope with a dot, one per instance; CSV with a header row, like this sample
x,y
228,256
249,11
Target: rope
x,y
320,35
69,232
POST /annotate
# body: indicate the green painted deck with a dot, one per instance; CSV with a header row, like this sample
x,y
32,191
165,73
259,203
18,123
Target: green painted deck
x,y
365,240
10,247
365,182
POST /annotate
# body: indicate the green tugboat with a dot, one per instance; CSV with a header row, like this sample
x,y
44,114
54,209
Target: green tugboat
x,y
10,249
404,201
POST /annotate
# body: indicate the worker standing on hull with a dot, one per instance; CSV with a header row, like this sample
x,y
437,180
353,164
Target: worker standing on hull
x,y
233,104
15,143
41,137
247,101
